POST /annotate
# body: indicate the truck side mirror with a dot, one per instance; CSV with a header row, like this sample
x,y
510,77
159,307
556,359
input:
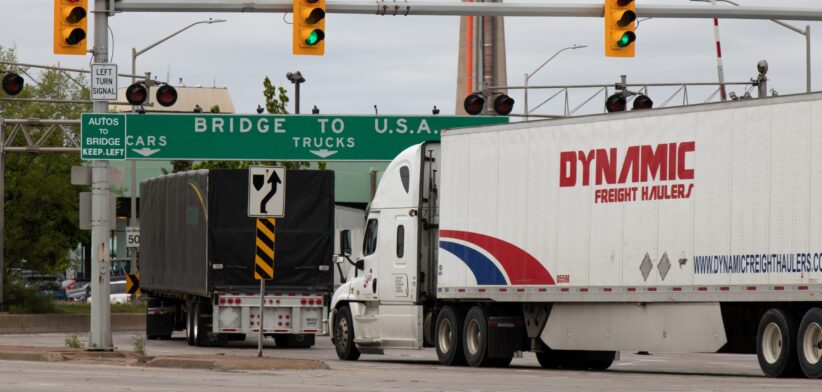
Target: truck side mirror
x,y
360,264
345,242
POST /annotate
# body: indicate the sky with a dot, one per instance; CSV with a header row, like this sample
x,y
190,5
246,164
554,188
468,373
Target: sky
x,y
406,65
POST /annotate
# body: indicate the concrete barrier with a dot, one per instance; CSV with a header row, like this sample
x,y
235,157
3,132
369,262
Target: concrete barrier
x,y
67,322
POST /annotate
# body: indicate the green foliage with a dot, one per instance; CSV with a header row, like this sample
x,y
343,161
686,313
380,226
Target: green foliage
x,y
276,98
73,341
25,300
40,203
85,307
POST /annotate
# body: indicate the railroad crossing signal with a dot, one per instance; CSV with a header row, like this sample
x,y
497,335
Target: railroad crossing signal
x,y
309,27
70,26
620,26
264,249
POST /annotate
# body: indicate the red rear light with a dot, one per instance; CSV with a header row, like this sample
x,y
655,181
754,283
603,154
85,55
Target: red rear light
x,y
230,301
222,301
319,301
311,302
238,301
303,301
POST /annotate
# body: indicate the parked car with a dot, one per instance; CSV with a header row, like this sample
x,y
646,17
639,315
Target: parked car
x,y
48,285
117,293
78,290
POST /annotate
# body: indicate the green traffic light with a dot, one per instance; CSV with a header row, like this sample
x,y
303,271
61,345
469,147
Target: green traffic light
x,y
626,39
314,37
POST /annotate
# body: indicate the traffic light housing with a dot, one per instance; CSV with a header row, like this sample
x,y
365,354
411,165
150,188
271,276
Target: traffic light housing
x,y
620,27
70,26
12,83
616,103
309,27
474,104
137,93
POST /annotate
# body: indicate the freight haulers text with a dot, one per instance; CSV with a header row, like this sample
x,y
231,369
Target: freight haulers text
x,y
644,163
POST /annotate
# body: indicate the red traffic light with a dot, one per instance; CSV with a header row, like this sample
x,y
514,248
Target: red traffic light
x,y
136,94
643,102
473,104
503,105
615,103
12,83
166,95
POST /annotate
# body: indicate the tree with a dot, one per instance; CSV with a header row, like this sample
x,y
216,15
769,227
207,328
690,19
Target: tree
x,y
276,99
41,204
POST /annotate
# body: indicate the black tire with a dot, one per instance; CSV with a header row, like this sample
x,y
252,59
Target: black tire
x,y
197,323
281,341
344,335
599,360
501,362
475,338
448,336
776,344
809,343
190,323
549,359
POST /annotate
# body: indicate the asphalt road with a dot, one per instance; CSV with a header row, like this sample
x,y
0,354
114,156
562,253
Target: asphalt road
x,y
398,370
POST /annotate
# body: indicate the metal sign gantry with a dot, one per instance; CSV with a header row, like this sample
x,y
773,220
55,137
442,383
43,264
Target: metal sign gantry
x,y
407,8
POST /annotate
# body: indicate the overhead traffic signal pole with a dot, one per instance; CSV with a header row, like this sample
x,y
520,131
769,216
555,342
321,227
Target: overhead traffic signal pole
x,y
100,334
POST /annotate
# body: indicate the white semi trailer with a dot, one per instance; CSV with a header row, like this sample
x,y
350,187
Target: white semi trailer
x,y
690,229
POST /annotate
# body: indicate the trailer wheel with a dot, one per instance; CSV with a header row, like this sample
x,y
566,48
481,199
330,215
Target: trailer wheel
x,y
344,335
475,337
810,343
449,336
775,344
599,360
548,359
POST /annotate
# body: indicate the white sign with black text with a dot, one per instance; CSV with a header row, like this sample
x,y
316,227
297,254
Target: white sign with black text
x,y
266,191
132,237
104,82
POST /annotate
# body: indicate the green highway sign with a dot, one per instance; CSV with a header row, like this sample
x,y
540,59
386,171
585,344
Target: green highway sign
x,y
200,136
103,136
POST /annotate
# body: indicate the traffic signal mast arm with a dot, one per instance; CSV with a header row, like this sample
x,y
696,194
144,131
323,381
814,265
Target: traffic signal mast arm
x,y
412,7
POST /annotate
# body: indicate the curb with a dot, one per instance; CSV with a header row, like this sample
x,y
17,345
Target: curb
x,y
67,323
125,358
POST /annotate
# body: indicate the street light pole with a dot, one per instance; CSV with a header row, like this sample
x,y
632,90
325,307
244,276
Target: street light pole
x,y
806,32
134,53
528,76
296,78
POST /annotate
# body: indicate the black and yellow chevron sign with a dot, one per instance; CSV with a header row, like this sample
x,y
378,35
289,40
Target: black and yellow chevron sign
x,y
264,256
133,284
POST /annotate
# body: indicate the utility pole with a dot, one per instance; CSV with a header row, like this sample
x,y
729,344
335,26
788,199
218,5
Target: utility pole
x,y
100,334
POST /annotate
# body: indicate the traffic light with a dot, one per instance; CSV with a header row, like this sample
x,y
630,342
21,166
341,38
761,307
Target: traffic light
x,y
643,101
70,26
474,104
620,24
503,105
12,83
615,103
309,27
137,93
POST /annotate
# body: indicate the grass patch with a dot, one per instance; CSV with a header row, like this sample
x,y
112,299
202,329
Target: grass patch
x,y
85,307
